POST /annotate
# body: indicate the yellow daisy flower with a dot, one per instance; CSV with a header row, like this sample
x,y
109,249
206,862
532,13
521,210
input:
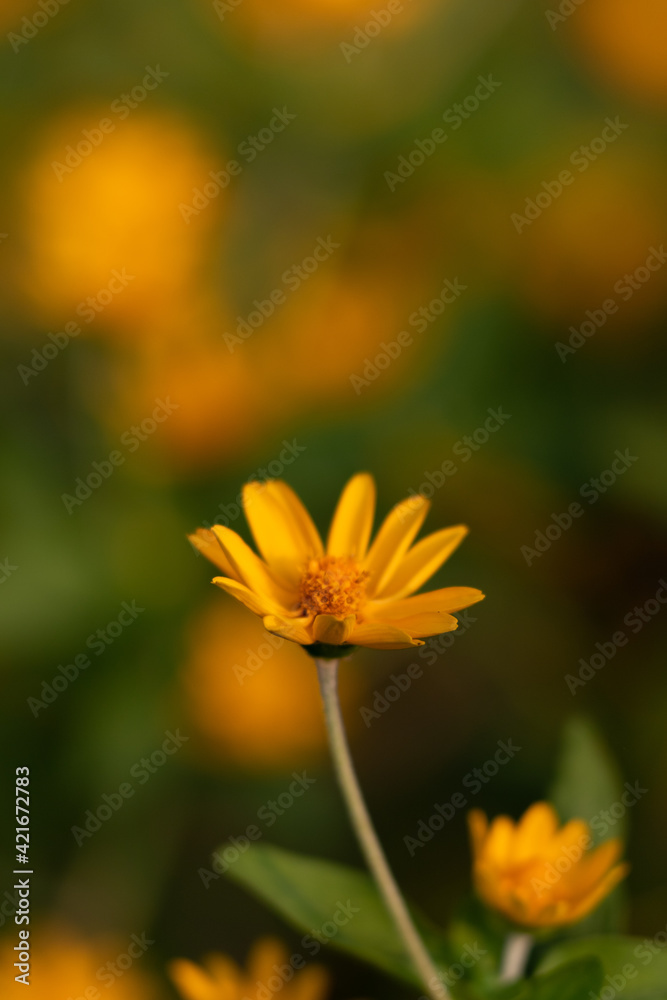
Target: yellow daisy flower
x,y
537,874
348,593
270,970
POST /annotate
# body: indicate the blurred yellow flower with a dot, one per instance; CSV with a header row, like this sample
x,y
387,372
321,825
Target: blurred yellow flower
x,y
348,594
294,19
66,964
537,874
625,43
269,970
239,686
106,245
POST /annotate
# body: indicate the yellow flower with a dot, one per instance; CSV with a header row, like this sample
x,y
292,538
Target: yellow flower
x,y
269,971
537,874
350,593
66,963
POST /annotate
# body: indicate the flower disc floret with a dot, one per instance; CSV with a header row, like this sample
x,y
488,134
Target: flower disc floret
x,y
333,585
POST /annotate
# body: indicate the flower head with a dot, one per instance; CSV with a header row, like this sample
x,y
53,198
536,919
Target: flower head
x,y
222,979
537,874
349,593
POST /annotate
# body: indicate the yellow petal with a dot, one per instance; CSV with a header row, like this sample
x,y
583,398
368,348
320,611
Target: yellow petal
x,y
534,832
226,975
478,826
594,865
600,892
332,630
192,982
421,562
282,528
310,984
266,953
377,635
499,841
433,601
295,629
392,541
250,569
205,542
569,840
353,518
259,604
426,624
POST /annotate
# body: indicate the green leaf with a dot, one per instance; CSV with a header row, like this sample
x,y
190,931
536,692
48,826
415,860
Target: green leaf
x,y
587,778
587,784
333,904
575,981
633,967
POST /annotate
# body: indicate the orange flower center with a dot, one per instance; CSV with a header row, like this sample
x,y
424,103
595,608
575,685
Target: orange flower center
x,y
333,585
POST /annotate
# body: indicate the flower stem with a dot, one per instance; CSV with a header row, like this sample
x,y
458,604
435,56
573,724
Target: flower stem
x,y
327,671
515,956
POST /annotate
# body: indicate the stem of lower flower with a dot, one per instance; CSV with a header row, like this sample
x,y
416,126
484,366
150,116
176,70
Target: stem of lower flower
x,y
515,956
327,671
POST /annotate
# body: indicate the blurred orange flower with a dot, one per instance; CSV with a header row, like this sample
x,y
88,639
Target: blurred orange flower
x,y
625,44
220,978
66,964
106,244
570,258
295,18
348,594
537,874
239,686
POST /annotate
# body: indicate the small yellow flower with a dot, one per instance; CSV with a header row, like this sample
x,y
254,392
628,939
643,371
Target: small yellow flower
x,y
348,593
537,874
269,971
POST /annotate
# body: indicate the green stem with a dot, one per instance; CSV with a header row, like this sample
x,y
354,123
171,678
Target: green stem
x,y
327,671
